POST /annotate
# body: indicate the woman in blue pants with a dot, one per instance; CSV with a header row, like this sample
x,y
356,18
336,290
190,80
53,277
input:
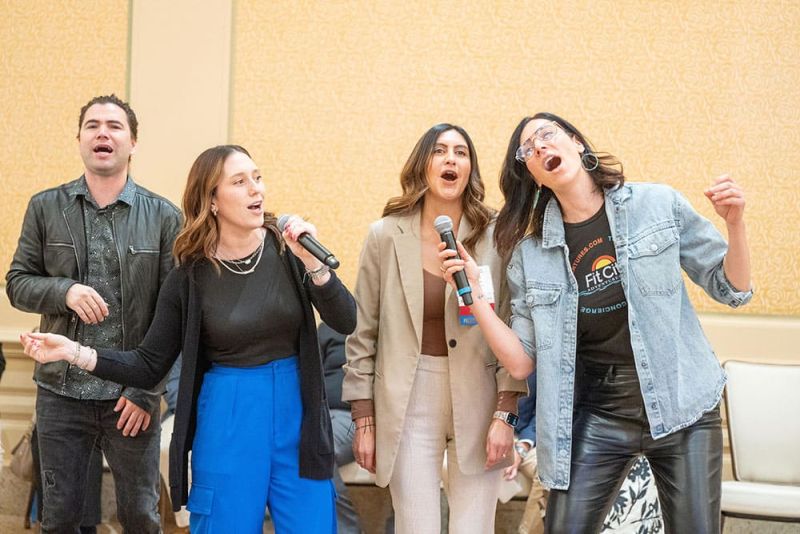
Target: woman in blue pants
x,y
251,401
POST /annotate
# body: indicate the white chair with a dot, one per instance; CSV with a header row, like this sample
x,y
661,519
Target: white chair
x,y
353,473
763,407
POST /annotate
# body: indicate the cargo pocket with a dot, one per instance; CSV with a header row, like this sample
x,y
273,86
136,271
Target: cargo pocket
x,y
201,499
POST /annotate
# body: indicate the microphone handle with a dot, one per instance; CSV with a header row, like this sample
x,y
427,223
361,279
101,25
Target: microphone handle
x,y
464,289
318,251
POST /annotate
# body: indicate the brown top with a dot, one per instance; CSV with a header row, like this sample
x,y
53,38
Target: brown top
x,y
434,341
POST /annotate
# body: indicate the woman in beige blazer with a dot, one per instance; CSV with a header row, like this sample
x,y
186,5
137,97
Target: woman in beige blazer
x,y
419,380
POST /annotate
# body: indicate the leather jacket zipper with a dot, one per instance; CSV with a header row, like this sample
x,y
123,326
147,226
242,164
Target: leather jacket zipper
x,y
121,282
73,316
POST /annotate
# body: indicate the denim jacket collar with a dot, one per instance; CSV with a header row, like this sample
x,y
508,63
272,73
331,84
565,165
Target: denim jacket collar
x,y
553,227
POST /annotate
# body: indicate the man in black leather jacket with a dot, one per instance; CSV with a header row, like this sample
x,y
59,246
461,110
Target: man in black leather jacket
x,y
91,257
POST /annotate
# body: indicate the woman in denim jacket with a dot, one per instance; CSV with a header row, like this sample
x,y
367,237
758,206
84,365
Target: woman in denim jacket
x,y
599,306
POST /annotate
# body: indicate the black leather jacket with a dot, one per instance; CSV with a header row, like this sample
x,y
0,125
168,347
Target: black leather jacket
x,y
51,257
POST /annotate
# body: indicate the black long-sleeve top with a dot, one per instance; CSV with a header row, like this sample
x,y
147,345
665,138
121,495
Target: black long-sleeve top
x,y
253,319
176,328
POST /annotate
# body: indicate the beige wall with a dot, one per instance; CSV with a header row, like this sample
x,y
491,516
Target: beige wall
x,y
331,96
179,86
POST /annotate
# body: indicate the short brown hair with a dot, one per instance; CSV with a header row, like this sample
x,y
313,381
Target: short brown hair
x,y
112,99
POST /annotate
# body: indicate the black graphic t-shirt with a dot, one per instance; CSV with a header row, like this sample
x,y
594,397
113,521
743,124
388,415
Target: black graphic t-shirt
x,y
603,333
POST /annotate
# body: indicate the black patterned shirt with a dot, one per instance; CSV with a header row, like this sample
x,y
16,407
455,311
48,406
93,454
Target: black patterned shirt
x,y
103,275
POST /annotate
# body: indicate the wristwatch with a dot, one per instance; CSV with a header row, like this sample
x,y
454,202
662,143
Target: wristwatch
x,y
509,418
521,450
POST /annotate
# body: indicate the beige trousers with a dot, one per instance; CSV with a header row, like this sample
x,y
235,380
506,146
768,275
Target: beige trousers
x,y
416,477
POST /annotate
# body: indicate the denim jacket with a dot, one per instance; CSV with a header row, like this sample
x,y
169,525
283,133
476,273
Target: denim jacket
x,y
656,233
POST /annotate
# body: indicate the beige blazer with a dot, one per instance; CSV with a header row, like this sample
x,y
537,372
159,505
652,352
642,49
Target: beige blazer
x,y
383,351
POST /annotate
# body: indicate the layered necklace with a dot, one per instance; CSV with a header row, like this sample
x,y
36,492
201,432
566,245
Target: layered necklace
x,y
247,264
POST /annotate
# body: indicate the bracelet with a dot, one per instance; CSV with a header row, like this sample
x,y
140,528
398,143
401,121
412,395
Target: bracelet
x,y
80,362
318,273
76,355
83,364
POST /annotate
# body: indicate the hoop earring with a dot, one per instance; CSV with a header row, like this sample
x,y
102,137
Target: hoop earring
x,y
589,161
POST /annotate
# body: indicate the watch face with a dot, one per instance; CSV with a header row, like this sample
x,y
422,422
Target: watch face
x,y
512,419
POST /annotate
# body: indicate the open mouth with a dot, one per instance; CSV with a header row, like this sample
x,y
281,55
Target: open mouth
x,y
551,163
450,176
255,206
106,149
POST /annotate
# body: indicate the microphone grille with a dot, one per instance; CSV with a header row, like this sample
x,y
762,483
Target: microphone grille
x,y
282,220
443,223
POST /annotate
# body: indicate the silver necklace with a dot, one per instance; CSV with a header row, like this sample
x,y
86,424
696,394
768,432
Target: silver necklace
x,y
235,266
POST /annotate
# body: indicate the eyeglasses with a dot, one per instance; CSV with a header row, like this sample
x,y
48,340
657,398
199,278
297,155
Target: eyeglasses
x,y
544,134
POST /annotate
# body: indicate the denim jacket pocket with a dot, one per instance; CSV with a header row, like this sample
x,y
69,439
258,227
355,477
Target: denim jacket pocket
x,y
543,300
655,261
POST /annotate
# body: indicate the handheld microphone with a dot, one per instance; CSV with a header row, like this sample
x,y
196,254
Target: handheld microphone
x,y
311,244
444,225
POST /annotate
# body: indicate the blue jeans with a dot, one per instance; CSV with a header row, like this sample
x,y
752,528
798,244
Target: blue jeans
x,y
246,455
68,431
346,515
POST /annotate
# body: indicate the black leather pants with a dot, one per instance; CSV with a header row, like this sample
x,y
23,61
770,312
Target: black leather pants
x,y
609,430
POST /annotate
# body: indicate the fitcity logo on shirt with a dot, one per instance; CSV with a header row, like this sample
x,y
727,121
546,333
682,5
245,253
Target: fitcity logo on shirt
x,y
603,274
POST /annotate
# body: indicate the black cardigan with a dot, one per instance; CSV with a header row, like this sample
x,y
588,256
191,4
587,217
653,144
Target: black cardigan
x,y
178,310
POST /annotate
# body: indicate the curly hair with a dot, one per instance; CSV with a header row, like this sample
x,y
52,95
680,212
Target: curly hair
x,y
133,123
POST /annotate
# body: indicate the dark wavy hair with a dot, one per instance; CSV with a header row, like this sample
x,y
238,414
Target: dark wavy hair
x,y
198,238
133,123
413,180
519,216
